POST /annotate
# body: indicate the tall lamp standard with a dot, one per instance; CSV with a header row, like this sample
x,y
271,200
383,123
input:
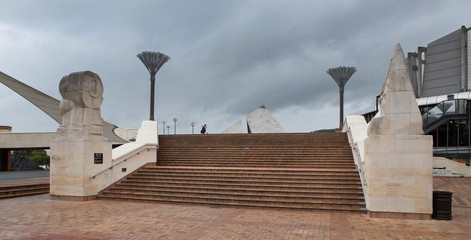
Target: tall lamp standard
x,y
192,127
168,129
164,128
175,126
153,62
341,75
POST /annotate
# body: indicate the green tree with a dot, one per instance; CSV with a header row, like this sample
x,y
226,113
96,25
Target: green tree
x,y
38,156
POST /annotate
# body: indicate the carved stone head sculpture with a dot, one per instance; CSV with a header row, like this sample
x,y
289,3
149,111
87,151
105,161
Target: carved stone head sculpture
x,y
82,95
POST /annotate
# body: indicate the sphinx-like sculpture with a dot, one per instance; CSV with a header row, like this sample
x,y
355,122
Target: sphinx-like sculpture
x,y
79,149
82,96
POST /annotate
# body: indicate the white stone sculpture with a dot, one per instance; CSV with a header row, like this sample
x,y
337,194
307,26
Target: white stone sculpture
x,y
398,110
79,149
82,95
398,157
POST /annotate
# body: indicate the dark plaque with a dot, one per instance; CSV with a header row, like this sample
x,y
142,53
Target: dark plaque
x,y
98,158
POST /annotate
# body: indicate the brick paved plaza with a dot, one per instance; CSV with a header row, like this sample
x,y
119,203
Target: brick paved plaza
x,y
38,217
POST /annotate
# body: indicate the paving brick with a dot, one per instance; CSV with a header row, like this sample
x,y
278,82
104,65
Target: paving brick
x,y
39,217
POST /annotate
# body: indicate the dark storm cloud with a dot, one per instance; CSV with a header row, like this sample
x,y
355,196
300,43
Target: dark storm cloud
x,y
228,57
267,37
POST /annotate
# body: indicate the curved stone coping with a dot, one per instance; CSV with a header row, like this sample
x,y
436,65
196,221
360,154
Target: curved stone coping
x,y
129,149
356,128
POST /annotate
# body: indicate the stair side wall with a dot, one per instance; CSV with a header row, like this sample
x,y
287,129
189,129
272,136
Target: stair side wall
x,y
396,171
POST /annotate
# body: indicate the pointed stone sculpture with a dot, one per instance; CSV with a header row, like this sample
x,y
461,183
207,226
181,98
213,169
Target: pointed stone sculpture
x,y
398,157
398,110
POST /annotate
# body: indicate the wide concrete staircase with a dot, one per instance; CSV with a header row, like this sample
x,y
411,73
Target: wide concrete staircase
x,y
307,171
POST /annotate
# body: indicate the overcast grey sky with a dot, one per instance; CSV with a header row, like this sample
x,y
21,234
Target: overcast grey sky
x,y
228,57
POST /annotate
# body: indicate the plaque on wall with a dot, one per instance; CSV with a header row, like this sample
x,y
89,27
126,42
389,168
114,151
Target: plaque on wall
x,y
98,158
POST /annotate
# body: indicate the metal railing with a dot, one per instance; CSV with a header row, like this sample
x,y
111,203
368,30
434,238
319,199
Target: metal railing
x,y
123,160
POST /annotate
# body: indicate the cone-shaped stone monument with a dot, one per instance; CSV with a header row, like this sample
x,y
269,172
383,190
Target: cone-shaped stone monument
x,y
398,157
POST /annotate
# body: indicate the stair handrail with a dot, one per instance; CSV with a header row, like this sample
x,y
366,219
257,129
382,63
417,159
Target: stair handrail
x,y
144,147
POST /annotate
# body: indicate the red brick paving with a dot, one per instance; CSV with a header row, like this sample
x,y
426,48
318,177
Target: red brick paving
x,y
38,217
459,186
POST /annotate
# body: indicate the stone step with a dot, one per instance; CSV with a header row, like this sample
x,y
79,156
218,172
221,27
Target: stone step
x,y
24,190
264,157
240,202
274,175
338,193
210,156
255,165
326,151
323,188
306,171
210,177
259,196
246,160
256,159
244,181
260,151
271,172
265,147
285,175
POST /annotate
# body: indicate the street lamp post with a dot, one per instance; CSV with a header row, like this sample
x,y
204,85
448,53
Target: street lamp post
x,y
175,126
153,62
192,127
168,129
164,128
341,75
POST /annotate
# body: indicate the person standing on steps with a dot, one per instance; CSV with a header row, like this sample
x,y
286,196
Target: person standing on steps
x,y
203,129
